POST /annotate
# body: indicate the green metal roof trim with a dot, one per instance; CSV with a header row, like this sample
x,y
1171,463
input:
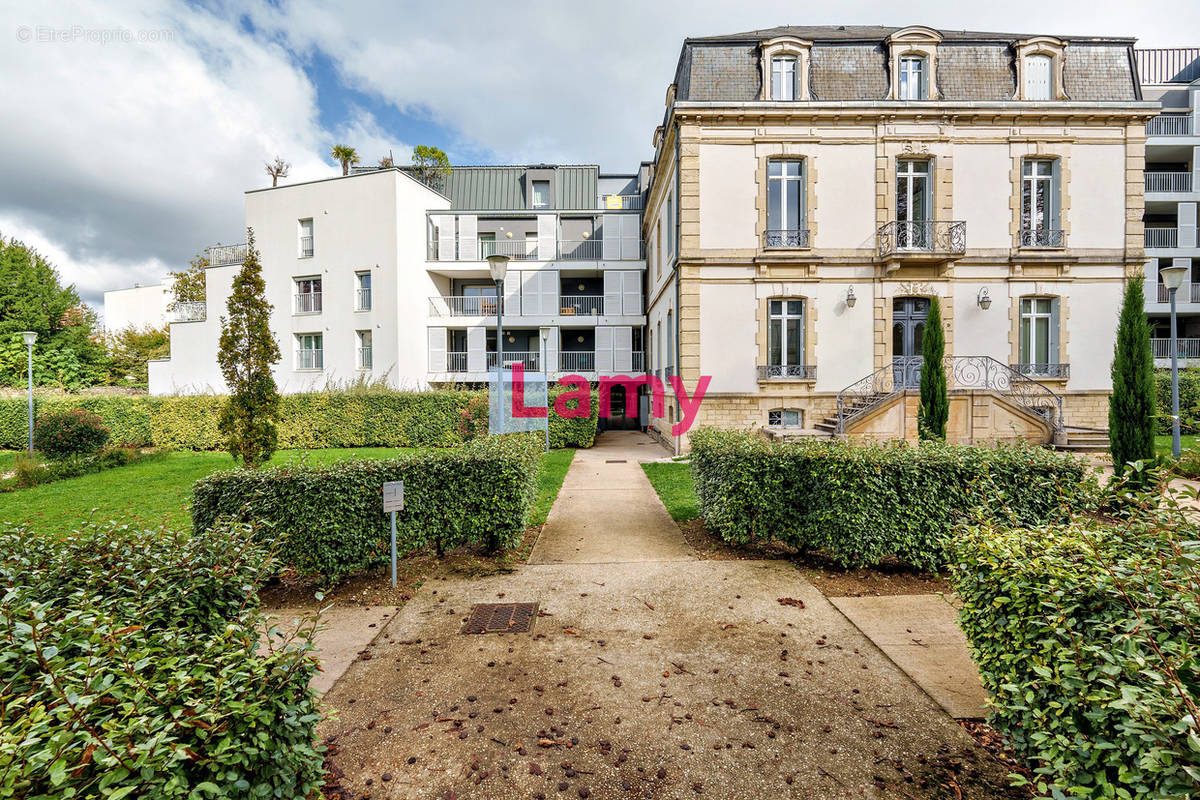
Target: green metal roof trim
x,y
503,188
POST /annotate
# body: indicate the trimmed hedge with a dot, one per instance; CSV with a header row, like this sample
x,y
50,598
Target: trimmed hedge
x,y
1088,644
133,666
371,418
1189,399
327,521
860,503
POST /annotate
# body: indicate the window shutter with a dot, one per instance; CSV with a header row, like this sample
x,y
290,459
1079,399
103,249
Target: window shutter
x,y
623,350
437,349
531,294
630,236
1055,356
604,350
476,349
549,292
612,293
547,237
631,293
1053,220
610,237
445,236
468,237
551,348
1037,77
512,293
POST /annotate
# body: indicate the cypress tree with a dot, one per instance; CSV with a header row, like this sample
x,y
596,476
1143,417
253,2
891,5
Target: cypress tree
x,y
1131,408
250,416
935,405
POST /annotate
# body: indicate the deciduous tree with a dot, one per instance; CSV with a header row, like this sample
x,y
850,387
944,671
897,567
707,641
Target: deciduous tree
x,y
430,165
277,169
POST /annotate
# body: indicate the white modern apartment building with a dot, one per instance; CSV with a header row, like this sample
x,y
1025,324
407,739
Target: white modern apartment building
x,y
813,188
377,277
1172,77
137,307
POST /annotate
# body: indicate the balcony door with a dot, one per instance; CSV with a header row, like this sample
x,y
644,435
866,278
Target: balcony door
x,y
908,330
914,207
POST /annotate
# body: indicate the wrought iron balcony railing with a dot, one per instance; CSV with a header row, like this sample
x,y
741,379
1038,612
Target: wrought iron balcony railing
x,y
189,312
929,236
1052,371
795,372
223,255
786,238
1042,237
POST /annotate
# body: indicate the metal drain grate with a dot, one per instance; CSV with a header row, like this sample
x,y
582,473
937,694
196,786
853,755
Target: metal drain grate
x,y
501,618
614,461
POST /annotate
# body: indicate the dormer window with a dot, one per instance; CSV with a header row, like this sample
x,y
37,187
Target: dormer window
x,y
1040,69
785,69
784,78
1037,77
913,80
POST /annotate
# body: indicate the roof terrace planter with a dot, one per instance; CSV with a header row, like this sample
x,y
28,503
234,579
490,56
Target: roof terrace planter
x,y
931,241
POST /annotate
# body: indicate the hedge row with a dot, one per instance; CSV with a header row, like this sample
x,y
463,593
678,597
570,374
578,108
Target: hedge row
x,y
376,418
1189,399
860,503
328,521
132,667
1088,642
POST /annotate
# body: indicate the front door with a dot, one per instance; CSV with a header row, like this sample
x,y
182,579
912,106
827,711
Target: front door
x,y
908,329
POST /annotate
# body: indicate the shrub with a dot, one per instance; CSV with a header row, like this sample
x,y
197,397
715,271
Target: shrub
x,y
1086,639
1189,400
934,410
58,434
1132,407
574,432
327,521
862,502
29,472
134,666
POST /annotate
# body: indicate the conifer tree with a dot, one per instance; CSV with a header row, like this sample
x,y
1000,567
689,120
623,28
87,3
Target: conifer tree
x,y
935,405
1131,408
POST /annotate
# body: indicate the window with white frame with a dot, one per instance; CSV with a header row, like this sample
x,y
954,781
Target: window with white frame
x,y
1040,203
310,351
305,245
364,349
785,204
308,295
785,338
362,291
785,78
785,418
913,78
1038,77
541,194
1038,349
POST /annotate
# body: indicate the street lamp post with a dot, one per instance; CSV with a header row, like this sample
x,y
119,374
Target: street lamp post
x,y
30,337
546,372
498,266
1172,278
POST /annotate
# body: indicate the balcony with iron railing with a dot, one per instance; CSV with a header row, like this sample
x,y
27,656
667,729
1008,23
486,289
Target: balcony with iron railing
x,y
787,372
529,359
189,312
590,249
783,239
223,255
922,238
1170,124
308,303
1042,237
1161,237
1168,181
1043,371
310,359
456,362
1186,293
581,305
1187,348
460,306
621,202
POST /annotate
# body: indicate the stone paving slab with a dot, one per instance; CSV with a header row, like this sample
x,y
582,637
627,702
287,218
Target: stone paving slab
x,y
345,631
920,634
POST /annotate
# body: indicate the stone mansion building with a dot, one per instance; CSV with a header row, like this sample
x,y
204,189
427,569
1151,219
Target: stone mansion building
x,y
811,189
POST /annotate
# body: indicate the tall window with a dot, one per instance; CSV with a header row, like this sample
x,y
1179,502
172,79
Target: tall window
x,y
362,291
914,204
912,78
785,204
670,224
487,245
1039,336
670,344
308,295
785,333
306,238
1037,77
364,349
1040,203
541,194
658,362
310,351
785,78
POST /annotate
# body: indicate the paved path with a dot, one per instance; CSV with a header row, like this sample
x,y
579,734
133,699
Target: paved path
x,y
647,674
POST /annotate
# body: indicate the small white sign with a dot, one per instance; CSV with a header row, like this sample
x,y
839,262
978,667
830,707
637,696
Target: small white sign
x,y
393,496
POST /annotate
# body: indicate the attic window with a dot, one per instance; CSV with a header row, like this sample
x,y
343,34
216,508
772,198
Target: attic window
x,y
1040,69
785,77
541,194
913,78
785,69
1037,77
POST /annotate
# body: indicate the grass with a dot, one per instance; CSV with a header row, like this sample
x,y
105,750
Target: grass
x,y
1162,444
554,470
673,482
7,459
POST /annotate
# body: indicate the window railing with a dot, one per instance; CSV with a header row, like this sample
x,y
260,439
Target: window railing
x,y
362,299
1170,125
577,361
621,202
225,254
308,303
1041,237
795,372
460,306
189,312
364,358
310,359
306,246
1187,293
928,236
529,359
1061,371
456,362
590,249
581,305
1162,237
580,249
1168,181
786,237
1187,348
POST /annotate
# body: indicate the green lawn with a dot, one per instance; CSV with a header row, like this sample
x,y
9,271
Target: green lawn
x,y
673,482
1162,444
7,459
158,491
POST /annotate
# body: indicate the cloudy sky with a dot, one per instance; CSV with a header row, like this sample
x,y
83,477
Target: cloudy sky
x,y
129,129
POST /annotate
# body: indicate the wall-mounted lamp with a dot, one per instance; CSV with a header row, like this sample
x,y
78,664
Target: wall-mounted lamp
x,y
850,298
984,301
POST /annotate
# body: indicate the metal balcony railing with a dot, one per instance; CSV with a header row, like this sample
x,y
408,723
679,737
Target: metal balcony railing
x,y
225,254
577,361
1168,181
362,299
364,358
529,359
308,303
310,359
1187,348
456,362
581,305
1170,125
1162,237
1042,237
621,202
459,306
785,238
1187,293
189,312
590,249
1061,371
929,236
795,372
306,246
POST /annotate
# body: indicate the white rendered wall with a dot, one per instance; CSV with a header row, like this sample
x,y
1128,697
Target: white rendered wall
x,y
137,307
728,209
844,211
728,336
1097,188
982,188
845,344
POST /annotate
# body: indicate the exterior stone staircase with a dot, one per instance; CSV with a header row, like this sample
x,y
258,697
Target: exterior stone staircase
x,y
1084,440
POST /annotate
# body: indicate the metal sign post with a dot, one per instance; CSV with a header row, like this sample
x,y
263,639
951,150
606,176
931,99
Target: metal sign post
x,y
393,501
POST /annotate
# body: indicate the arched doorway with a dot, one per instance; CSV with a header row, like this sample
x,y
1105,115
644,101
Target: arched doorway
x,y
908,330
